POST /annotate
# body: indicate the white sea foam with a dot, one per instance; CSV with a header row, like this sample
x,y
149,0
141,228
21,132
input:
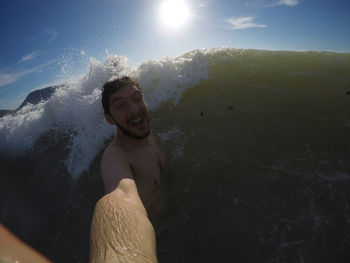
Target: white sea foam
x,y
19,132
168,78
178,137
76,107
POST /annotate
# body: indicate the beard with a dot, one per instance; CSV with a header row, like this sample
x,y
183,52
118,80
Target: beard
x,y
131,134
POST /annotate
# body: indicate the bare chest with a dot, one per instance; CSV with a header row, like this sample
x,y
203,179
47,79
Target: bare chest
x,y
147,165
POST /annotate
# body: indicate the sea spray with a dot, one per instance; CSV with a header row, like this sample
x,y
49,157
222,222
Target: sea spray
x,y
82,114
168,78
76,107
18,132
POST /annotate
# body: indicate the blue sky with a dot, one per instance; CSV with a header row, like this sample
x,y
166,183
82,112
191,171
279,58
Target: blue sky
x,y
45,42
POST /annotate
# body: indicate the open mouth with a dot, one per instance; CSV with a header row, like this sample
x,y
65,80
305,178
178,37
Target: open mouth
x,y
137,123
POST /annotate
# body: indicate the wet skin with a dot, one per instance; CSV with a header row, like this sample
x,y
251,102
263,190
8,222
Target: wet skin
x,y
135,147
131,169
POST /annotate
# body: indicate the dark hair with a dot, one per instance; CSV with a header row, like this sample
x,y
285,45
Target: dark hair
x,y
113,86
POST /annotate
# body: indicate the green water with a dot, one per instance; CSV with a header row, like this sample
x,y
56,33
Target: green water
x,y
262,149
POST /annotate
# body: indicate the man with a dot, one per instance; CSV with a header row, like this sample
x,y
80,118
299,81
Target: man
x,y
131,169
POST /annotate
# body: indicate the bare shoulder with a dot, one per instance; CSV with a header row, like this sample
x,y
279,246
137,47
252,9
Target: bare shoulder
x,y
114,167
160,153
113,153
118,177
153,139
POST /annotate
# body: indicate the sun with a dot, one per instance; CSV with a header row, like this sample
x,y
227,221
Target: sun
x,y
174,13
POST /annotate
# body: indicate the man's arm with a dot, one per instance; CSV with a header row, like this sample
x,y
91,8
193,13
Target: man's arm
x,y
121,232
14,250
120,229
117,176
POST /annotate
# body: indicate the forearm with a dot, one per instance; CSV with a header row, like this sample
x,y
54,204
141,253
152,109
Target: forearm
x,y
14,250
121,232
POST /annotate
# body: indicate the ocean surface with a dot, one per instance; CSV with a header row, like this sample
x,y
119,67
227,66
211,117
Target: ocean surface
x,y
259,157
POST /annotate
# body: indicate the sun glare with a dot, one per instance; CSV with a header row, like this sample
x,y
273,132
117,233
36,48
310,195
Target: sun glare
x,y
174,13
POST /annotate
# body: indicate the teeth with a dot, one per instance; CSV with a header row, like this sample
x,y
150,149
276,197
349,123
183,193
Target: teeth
x,y
134,121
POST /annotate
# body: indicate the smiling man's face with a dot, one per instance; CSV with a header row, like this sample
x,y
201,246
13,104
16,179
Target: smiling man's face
x,y
129,112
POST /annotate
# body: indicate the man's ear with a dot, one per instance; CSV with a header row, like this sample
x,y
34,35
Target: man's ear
x,y
109,119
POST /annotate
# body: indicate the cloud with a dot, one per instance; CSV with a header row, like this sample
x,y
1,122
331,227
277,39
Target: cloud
x,y
8,78
242,23
52,33
287,2
270,3
28,57
207,3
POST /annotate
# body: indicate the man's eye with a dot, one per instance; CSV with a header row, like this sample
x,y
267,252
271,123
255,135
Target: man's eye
x,y
119,105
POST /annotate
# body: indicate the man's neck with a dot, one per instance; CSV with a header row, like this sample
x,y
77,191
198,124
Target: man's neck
x,y
128,141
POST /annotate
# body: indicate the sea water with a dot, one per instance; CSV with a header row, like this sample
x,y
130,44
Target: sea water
x,y
258,143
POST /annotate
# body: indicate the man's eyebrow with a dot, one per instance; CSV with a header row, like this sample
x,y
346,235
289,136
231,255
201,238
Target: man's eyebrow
x,y
136,92
115,99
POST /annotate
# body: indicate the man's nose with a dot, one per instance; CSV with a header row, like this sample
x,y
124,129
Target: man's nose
x,y
133,107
